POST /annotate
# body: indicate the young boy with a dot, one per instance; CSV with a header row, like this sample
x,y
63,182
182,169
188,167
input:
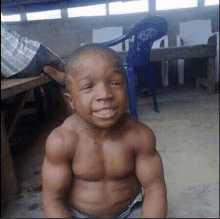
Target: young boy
x,y
99,160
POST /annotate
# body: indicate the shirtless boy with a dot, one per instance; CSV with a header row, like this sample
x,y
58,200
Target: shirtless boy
x,y
99,160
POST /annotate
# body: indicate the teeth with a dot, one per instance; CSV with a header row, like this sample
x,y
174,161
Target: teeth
x,y
105,111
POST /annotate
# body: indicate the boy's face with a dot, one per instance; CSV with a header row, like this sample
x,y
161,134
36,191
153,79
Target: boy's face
x,y
97,90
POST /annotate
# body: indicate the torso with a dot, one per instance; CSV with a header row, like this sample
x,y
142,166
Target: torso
x,y
104,181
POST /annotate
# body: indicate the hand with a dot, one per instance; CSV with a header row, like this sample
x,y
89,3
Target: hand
x,y
57,75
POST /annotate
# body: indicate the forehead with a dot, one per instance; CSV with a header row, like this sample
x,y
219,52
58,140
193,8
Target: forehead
x,y
93,61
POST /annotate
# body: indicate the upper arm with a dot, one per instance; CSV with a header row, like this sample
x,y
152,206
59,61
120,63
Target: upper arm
x,y
56,169
148,164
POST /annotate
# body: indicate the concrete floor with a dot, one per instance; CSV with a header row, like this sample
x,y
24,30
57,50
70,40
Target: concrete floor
x,y
187,132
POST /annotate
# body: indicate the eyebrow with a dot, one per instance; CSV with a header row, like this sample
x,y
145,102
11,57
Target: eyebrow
x,y
116,71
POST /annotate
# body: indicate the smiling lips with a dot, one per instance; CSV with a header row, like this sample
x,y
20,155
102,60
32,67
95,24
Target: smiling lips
x,y
105,113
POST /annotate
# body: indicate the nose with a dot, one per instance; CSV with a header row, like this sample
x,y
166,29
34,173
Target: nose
x,y
104,93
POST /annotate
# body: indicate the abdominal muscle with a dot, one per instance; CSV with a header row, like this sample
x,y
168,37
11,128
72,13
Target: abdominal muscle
x,y
104,198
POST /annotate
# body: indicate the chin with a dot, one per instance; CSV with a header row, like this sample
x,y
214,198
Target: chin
x,y
106,124
103,124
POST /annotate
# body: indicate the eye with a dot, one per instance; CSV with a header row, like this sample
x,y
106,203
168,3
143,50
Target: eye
x,y
115,83
87,87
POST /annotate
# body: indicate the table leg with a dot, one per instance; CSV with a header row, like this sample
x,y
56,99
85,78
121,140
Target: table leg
x,y
8,177
39,103
13,114
211,76
202,81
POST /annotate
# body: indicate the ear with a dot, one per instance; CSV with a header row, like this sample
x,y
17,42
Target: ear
x,y
69,99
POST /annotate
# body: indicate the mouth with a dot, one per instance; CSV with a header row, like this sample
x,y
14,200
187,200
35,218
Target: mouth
x,y
105,113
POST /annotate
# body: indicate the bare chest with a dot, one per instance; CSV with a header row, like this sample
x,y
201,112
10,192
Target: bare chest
x,y
94,162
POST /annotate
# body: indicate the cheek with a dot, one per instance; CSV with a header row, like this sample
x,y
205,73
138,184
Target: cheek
x,y
122,97
125,98
85,99
123,93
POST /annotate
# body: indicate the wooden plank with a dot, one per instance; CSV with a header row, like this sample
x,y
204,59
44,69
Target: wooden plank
x,y
182,52
8,177
11,87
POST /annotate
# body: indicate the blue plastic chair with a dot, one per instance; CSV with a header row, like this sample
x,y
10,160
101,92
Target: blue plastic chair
x,y
146,32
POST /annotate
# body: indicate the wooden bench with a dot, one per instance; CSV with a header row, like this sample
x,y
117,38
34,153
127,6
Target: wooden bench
x,y
20,88
188,52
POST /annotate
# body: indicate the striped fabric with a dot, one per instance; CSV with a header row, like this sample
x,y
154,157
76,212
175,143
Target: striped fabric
x,y
16,51
126,214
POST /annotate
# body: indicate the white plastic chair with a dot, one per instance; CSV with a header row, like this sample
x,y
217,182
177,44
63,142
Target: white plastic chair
x,y
164,70
196,32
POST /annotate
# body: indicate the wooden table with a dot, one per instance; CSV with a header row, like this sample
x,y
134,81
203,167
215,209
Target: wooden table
x,y
11,87
188,52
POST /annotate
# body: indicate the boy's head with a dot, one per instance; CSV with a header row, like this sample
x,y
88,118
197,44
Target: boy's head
x,y
96,85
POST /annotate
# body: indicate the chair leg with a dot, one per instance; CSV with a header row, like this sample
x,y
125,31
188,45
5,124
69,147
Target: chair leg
x,y
150,81
165,76
131,82
217,59
181,70
217,67
131,92
155,102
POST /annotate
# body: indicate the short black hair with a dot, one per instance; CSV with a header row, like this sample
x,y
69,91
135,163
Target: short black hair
x,y
93,47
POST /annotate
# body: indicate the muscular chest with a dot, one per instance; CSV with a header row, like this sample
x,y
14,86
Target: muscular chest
x,y
94,161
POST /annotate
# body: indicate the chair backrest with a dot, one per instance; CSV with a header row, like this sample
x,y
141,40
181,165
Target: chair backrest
x,y
195,32
107,34
157,43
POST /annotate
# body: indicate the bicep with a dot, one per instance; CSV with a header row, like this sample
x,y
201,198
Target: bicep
x,y
56,178
149,170
56,169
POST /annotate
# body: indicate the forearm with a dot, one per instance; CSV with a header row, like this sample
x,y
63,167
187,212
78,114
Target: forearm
x,y
154,205
55,209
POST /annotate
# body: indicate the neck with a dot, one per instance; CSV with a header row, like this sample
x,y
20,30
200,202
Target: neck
x,y
92,131
100,133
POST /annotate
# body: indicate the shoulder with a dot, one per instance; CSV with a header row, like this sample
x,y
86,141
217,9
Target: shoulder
x,y
141,136
61,142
